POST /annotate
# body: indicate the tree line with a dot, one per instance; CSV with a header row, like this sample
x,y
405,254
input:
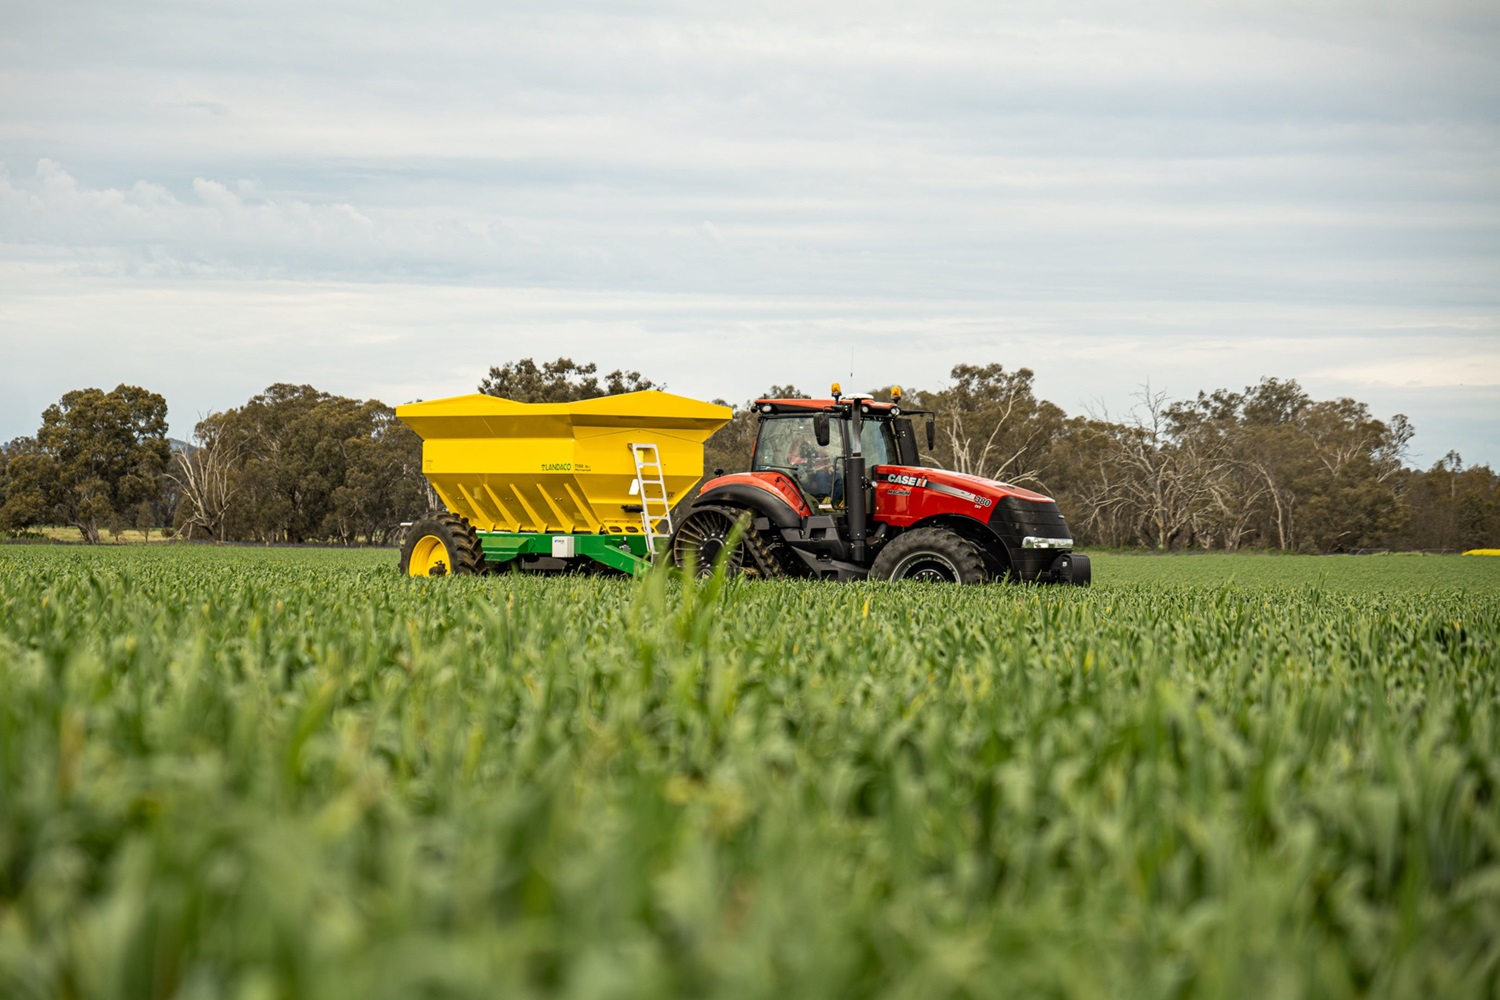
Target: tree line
x,y
1264,467
293,464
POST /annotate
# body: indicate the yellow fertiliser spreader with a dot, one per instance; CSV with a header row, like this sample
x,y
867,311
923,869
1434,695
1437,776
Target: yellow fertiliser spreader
x,y
553,485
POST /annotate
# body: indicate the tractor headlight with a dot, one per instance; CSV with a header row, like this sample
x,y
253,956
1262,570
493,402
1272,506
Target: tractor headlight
x,y
1039,542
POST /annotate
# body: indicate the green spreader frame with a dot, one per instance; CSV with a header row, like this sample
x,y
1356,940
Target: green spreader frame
x,y
626,553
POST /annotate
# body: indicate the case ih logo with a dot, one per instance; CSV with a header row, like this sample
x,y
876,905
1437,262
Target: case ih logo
x,y
920,482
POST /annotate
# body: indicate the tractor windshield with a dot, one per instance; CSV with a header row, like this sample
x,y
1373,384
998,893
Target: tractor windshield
x,y
789,444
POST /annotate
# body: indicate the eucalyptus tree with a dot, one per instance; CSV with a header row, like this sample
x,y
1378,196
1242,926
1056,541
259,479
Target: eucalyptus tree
x,y
96,457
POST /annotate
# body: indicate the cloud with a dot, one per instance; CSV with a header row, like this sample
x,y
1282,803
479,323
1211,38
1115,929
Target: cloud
x,y
146,229
1195,194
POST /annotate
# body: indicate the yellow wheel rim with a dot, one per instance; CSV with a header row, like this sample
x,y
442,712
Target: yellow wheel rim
x,y
429,557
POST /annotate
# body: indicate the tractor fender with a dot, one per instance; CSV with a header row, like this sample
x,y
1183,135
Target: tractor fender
x,y
764,500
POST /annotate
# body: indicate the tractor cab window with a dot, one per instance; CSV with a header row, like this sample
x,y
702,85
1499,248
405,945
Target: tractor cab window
x,y
877,440
789,444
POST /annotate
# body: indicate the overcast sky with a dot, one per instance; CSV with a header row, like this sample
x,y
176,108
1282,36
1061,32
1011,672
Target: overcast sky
x,y
383,200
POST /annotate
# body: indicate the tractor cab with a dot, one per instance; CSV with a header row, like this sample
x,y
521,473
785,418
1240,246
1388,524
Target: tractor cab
x,y
814,447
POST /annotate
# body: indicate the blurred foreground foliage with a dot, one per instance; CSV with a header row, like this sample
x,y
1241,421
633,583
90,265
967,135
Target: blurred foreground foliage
x,y
247,773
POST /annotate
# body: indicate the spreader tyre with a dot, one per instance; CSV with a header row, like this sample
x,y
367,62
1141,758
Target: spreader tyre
x,y
441,544
935,555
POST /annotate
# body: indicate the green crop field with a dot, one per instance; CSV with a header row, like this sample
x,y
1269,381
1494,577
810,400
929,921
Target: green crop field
x,y
249,773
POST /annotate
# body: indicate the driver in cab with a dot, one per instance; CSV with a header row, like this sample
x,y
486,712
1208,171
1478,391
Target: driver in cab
x,y
813,464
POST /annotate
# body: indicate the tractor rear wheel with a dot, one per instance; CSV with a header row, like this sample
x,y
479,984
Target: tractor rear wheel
x,y
934,555
702,537
441,544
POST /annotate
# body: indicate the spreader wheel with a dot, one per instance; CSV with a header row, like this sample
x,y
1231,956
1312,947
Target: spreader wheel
x,y
441,544
703,537
934,555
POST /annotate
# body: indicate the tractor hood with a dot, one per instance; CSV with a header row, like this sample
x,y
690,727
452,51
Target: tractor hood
x,y
961,486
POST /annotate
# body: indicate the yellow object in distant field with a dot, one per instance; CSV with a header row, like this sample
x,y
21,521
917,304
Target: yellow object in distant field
x,y
1483,552
558,467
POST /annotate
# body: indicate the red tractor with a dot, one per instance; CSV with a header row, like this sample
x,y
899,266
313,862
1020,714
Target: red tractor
x,y
835,491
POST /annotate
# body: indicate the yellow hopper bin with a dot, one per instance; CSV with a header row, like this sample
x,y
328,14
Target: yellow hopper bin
x,y
562,467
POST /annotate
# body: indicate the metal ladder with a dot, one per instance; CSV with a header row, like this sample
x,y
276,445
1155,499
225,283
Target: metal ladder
x,y
654,505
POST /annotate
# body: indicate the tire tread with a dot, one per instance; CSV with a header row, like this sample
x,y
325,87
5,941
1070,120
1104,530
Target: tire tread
x,y
961,552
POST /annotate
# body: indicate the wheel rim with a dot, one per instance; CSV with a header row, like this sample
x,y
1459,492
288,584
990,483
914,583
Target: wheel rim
x,y
429,557
705,535
709,548
926,567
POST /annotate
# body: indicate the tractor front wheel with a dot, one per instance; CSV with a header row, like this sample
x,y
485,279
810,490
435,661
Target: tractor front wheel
x,y
441,544
933,555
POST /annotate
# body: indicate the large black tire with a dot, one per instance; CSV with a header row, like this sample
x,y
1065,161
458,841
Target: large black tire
x,y
703,537
441,544
935,555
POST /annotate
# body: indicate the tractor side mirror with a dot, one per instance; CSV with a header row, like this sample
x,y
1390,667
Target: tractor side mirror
x,y
931,434
820,429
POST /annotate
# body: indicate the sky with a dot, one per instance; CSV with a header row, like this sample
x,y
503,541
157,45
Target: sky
x,y
384,199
